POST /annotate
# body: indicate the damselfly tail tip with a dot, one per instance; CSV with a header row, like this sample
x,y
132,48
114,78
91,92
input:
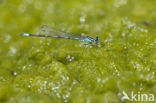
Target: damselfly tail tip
x,y
24,34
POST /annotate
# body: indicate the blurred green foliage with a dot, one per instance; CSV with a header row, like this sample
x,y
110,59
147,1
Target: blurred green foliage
x,y
49,70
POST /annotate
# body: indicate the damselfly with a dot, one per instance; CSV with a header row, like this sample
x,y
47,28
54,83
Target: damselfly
x,y
47,31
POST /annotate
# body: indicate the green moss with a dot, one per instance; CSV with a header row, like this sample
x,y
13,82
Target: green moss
x,y
51,70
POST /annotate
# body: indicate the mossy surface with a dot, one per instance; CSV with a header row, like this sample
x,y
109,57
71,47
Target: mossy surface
x,y
51,70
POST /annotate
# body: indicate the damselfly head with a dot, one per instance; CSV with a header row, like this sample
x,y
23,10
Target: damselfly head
x,y
97,39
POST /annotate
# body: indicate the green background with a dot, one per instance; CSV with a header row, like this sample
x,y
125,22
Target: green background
x,y
51,70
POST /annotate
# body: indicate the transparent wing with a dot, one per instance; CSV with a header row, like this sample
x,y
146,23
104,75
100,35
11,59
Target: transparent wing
x,y
51,31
